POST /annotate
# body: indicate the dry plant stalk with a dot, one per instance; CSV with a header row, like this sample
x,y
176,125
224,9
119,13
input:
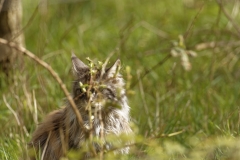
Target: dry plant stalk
x,y
235,25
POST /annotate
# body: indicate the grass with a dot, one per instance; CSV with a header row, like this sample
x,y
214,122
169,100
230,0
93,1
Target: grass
x,y
202,102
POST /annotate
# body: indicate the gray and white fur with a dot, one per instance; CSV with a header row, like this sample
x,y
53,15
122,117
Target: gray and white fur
x,y
103,94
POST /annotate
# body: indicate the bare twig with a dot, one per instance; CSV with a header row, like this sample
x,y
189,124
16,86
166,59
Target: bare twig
x,y
213,44
28,23
146,141
192,23
129,28
105,64
150,28
16,116
70,28
221,31
153,29
235,25
53,73
151,69
89,108
13,112
234,12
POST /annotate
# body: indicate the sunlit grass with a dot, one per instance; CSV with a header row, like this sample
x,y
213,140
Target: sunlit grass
x,y
203,102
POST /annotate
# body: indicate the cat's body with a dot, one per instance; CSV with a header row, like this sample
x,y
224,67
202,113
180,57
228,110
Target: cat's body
x,y
103,96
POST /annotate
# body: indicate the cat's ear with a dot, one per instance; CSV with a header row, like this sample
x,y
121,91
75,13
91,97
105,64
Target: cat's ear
x,y
114,70
78,65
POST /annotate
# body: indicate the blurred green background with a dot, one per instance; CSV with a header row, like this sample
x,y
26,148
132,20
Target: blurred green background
x,y
184,60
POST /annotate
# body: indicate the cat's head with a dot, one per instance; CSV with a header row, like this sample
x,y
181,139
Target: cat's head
x,y
97,88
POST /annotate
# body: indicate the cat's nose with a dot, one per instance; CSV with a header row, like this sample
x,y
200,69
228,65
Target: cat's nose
x,y
96,105
92,97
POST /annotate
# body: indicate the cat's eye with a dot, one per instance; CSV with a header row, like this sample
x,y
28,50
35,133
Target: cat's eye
x,y
78,91
93,90
108,92
81,91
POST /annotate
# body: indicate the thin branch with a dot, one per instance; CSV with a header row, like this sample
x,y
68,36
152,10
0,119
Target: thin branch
x,y
213,44
153,29
192,23
28,23
13,112
151,69
235,25
146,141
24,51
105,63
16,116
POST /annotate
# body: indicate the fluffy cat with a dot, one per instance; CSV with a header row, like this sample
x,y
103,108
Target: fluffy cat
x,y
101,100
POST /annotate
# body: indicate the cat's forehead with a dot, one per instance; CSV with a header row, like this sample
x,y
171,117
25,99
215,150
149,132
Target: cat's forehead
x,y
85,77
95,74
